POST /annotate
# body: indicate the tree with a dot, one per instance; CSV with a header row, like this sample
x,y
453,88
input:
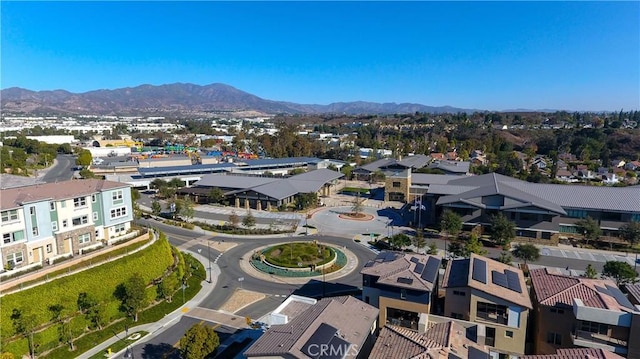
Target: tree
x,y
176,183
590,228
58,316
185,208
216,195
24,323
505,257
198,342
234,219
249,221
527,252
418,241
357,204
433,248
590,272
158,183
168,286
84,158
451,224
622,272
399,241
455,249
93,311
503,231
156,208
306,200
473,245
133,296
630,232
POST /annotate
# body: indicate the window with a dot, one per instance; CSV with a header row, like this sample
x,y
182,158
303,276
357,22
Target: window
x,y
14,258
456,315
554,338
490,336
12,237
35,231
403,294
95,216
492,312
32,211
576,213
395,184
460,293
84,238
63,204
52,206
49,248
594,327
80,202
11,215
80,220
64,223
119,228
117,197
97,234
556,310
54,226
94,198
528,216
508,333
119,212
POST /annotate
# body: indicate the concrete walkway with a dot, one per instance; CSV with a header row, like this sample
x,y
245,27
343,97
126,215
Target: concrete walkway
x,y
168,320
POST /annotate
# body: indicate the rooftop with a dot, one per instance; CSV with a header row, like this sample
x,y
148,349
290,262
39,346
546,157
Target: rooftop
x,y
404,270
576,353
488,276
555,289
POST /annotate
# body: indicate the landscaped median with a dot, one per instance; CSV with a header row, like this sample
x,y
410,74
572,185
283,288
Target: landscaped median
x,y
84,309
299,259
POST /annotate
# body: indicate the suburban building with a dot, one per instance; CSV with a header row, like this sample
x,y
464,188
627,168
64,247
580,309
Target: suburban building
x,y
338,327
581,312
401,285
633,292
542,212
44,221
437,338
485,291
575,353
390,165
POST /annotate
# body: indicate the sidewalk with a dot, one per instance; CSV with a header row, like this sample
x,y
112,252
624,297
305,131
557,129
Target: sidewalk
x,y
166,322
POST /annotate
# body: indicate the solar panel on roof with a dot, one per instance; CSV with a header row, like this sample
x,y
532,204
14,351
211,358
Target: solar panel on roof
x,y
419,268
390,257
513,281
369,264
499,279
479,270
321,337
381,256
414,260
431,270
620,297
404,280
475,353
338,349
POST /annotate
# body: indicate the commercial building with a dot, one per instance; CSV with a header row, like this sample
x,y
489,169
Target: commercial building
x,y
401,285
581,312
488,292
44,221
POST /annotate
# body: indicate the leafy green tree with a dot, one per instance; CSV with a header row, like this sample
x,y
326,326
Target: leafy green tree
x,y
84,158
590,272
306,200
93,311
198,342
176,183
133,296
167,192
527,252
59,317
630,232
590,228
357,206
86,173
456,250
249,220
418,241
167,287
347,171
474,245
216,195
399,241
503,231
622,272
505,257
158,183
234,219
156,207
24,323
451,224
185,208
433,248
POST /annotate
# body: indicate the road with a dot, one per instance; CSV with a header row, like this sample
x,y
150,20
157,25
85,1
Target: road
x,y
61,170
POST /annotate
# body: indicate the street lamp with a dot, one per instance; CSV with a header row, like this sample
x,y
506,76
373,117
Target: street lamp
x,y
209,260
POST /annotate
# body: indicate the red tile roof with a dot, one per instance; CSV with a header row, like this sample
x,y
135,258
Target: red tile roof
x,y
576,353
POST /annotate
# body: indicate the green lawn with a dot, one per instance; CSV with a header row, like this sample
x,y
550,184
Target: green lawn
x,y
290,255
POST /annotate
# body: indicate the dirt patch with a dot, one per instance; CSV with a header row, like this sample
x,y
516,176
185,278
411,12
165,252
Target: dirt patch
x,y
240,299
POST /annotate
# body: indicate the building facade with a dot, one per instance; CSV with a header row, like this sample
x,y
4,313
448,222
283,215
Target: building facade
x,y
45,221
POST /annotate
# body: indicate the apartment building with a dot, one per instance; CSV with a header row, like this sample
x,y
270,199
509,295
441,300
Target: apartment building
x,y
43,221
401,285
485,291
580,312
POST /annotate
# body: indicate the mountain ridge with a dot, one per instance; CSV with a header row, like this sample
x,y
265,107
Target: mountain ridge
x,y
185,98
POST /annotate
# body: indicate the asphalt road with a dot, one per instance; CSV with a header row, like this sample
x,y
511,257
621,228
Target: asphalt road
x,y
62,170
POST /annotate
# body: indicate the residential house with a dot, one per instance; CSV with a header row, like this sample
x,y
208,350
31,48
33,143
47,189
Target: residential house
x,y
632,165
575,353
437,338
401,285
581,312
491,293
43,221
633,292
338,327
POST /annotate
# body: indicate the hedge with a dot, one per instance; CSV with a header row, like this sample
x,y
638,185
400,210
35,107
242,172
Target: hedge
x,y
100,282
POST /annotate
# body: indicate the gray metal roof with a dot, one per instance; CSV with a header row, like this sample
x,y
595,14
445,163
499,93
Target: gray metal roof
x,y
431,179
321,175
452,166
279,190
233,181
178,170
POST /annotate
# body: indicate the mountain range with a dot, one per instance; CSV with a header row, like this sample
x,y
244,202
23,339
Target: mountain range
x,y
183,99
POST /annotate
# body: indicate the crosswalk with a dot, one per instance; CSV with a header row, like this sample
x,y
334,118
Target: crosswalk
x,y
588,256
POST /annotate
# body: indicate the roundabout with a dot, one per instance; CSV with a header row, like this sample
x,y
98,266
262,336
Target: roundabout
x,y
299,259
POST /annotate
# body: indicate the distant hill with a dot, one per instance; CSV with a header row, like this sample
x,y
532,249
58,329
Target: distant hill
x,y
183,99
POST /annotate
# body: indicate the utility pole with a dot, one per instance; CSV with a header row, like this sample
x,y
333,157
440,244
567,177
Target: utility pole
x,y
209,258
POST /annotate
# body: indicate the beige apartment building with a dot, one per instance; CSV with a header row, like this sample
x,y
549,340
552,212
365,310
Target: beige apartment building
x,y
491,293
574,312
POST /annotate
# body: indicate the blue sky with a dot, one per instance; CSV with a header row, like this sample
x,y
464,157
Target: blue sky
x,y
483,55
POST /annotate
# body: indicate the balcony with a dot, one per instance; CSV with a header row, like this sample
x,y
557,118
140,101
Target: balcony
x,y
493,317
599,341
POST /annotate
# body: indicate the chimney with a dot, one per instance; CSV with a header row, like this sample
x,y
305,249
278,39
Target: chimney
x,y
423,323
